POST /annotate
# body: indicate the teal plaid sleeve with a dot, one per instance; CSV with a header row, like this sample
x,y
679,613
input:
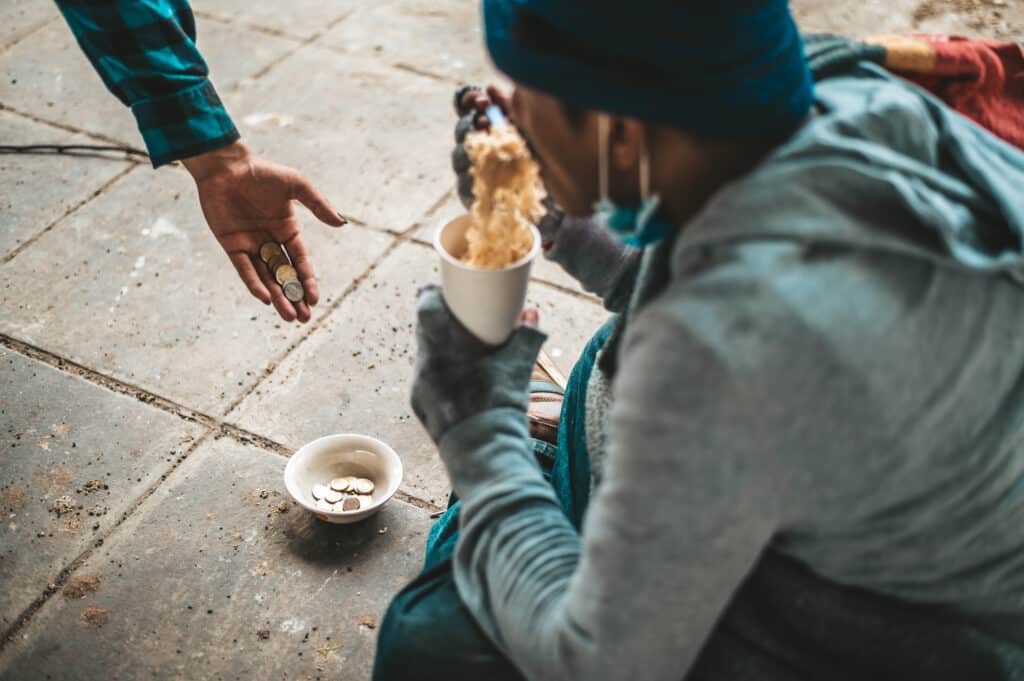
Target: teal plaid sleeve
x,y
145,52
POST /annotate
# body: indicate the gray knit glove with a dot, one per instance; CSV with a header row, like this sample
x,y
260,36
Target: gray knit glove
x,y
456,376
460,159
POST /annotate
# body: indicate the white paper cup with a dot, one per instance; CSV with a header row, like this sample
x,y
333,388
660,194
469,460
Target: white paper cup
x,y
488,302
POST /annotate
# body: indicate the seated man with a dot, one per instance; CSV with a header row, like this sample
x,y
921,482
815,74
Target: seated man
x,y
795,452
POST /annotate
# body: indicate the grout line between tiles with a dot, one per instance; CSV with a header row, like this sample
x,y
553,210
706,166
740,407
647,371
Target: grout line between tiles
x,y
311,40
406,67
34,29
228,21
314,326
73,368
423,73
400,238
38,235
70,128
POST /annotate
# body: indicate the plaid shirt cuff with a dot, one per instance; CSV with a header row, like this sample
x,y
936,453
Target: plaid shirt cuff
x,y
184,124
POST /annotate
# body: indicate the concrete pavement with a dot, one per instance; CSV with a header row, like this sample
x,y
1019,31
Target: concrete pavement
x,y
141,385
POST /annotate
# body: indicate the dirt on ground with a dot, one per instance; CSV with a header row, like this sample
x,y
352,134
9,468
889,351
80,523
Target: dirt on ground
x,y
93,486
80,587
57,480
13,499
63,505
94,617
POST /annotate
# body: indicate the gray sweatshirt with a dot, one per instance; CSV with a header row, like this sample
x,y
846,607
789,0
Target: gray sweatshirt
x,y
834,371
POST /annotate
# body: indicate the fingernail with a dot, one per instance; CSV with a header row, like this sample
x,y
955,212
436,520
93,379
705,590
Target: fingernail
x,y
341,217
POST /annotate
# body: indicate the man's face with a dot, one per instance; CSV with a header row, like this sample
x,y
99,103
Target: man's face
x,y
566,150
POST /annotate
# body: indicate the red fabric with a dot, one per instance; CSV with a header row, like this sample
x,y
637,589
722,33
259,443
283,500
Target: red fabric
x,y
982,79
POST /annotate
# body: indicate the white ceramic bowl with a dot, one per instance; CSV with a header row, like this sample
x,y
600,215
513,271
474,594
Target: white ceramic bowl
x,y
334,456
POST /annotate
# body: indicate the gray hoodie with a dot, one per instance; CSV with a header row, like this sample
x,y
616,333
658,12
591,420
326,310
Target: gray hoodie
x,y
828,367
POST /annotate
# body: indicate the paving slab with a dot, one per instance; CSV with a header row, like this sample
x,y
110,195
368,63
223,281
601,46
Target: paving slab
x,y
49,76
377,139
134,286
209,580
440,37
353,374
302,19
61,436
18,18
39,189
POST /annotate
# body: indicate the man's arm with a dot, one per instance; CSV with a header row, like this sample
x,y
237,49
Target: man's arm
x,y
717,439
146,54
593,255
686,506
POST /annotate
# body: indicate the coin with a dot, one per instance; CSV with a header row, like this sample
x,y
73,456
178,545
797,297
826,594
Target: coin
x,y
339,484
269,250
364,486
293,291
285,273
350,504
332,497
319,491
277,260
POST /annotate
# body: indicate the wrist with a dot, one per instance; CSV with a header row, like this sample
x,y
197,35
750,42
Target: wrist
x,y
476,446
550,223
221,160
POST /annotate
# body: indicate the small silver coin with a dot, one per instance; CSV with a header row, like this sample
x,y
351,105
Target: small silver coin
x,y
293,291
332,497
319,491
364,486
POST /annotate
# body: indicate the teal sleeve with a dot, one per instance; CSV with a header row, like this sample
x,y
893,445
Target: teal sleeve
x,y
145,52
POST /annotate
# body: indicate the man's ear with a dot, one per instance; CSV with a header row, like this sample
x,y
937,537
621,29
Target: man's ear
x,y
625,141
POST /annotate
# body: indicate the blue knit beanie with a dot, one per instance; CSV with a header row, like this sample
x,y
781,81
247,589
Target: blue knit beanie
x,y
727,69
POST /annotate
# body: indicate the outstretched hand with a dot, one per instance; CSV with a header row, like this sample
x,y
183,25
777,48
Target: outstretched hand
x,y
247,201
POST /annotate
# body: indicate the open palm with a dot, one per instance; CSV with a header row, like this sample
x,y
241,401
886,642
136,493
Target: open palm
x,y
248,201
